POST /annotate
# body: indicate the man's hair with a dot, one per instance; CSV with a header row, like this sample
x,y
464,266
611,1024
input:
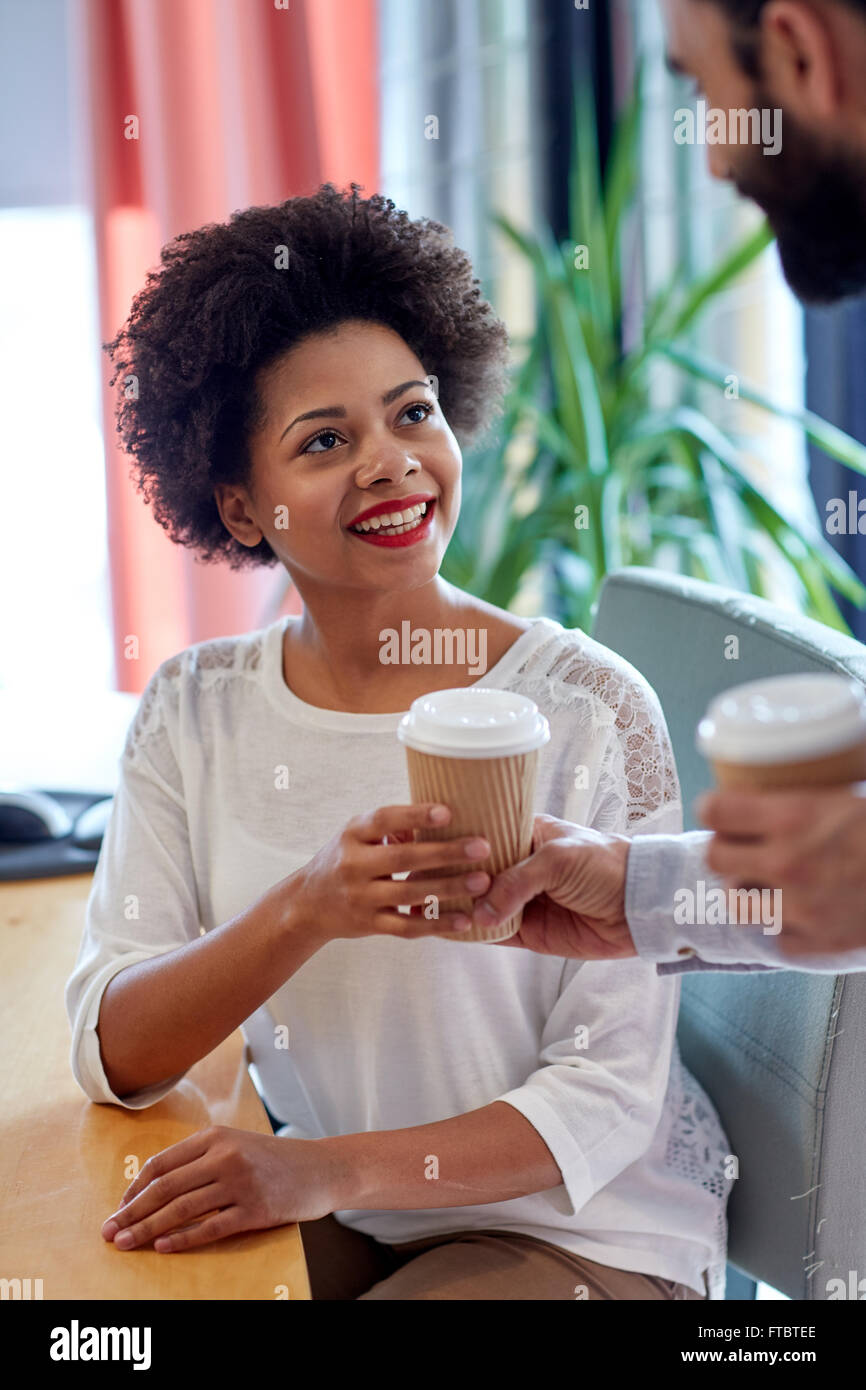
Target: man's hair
x,y
745,16
231,298
746,12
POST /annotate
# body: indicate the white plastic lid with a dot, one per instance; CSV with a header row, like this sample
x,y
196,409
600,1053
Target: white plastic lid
x,y
784,719
473,722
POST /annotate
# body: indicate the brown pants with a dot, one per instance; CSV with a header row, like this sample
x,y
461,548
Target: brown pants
x,y
346,1264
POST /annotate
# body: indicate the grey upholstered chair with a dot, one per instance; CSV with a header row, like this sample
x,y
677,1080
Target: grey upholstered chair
x,y
781,1055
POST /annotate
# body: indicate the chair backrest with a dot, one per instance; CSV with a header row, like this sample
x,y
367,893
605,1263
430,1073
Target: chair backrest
x,y
781,1053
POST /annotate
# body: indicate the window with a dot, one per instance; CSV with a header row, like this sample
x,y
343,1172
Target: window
x,y
55,624
54,553
461,131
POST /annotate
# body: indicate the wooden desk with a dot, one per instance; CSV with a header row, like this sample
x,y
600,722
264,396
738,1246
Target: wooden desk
x,y
62,1158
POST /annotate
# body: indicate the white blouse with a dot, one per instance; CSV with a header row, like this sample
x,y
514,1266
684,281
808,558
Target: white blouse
x,y
387,1033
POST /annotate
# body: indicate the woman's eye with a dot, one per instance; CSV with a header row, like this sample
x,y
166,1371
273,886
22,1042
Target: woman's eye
x,y
419,405
325,434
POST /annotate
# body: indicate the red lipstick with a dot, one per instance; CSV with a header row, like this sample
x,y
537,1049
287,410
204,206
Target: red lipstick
x,y
395,504
418,532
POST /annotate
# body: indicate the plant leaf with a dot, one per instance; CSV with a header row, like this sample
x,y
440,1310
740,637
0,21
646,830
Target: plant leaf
x,y
711,285
834,442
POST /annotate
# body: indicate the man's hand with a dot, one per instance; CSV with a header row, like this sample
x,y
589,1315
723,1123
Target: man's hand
x,y
573,885
811,845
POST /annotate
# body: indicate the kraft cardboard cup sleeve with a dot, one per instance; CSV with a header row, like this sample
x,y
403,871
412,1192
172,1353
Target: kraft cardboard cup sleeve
x,y
787,731
476,751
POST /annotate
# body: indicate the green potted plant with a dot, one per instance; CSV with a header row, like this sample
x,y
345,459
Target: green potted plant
x,y
585,474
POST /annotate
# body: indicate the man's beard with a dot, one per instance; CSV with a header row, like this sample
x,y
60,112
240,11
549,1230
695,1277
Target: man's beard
x,y
814,196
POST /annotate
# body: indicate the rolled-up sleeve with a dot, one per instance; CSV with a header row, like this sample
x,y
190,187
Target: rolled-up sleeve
x,y
143,900
661,865
597,1098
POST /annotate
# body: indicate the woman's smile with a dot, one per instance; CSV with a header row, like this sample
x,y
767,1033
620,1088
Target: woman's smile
x,y
402,522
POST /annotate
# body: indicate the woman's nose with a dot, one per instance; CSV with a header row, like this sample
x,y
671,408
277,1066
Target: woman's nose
x,y
386,465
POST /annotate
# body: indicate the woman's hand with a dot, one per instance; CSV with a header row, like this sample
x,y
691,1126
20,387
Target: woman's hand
x,y
347,889
228,1180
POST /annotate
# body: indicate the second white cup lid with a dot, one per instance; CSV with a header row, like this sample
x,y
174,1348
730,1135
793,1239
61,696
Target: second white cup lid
x,y
473,722
784,719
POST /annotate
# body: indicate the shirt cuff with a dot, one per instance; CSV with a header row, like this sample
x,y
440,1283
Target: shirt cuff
x,y
86,1055
576,1176
659,868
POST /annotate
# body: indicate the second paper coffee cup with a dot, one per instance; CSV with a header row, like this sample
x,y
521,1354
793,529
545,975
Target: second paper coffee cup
x,y
787,731
475,750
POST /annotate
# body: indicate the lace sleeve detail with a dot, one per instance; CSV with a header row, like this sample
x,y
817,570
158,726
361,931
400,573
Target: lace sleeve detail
x,y
699,1151
204,664
637,787
149,717
641,753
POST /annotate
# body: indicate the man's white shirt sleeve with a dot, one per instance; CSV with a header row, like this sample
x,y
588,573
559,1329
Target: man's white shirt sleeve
x,y
659,866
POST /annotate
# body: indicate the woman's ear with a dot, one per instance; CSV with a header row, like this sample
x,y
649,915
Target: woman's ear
x,y
802,61
233,506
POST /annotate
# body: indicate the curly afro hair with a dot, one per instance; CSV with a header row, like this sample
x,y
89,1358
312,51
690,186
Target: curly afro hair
x,y
220,309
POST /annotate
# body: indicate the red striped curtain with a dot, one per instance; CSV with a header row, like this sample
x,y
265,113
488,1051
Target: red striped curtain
x,y
239,102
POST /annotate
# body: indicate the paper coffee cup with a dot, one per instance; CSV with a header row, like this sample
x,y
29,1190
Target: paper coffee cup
x,y
788,731
476,751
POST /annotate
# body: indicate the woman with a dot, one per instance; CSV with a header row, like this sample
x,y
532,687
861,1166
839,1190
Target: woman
x,y
453,1120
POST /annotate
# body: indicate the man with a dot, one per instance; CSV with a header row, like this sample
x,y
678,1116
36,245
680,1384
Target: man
x,y
603,896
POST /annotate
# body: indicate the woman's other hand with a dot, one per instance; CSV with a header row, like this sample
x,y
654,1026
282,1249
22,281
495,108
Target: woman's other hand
x,y
227,1181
